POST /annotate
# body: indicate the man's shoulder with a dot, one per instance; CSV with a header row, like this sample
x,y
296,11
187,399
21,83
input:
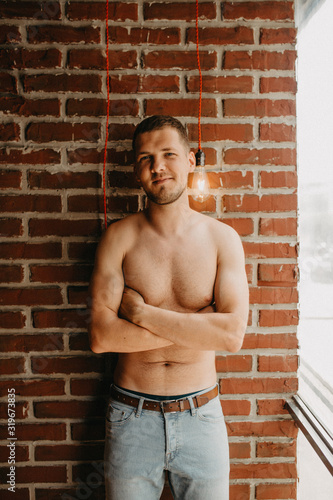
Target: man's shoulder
x,y
219,228
121,233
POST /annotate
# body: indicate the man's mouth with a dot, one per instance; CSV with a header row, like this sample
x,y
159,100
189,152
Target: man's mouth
x,y
161,180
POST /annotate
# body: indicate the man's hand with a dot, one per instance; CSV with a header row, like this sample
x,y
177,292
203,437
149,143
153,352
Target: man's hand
x,y
131,306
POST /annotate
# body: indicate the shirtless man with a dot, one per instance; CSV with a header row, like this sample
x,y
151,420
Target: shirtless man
x,y
168,289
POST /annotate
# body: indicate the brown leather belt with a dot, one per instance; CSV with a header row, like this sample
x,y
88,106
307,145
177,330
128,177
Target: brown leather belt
x,y
165,406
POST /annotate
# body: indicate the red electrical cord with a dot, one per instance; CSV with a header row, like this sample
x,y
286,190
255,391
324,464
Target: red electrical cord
x,y
200,74
107,110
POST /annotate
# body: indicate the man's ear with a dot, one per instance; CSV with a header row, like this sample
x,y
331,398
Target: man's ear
x,y
192,161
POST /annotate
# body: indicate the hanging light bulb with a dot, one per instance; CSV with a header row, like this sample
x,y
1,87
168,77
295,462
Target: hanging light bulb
x,y
200,183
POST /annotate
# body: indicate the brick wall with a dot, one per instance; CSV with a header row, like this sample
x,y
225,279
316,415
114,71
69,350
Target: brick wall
x,y
53,106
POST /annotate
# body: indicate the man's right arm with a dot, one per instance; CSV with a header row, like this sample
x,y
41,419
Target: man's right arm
x,y
108,332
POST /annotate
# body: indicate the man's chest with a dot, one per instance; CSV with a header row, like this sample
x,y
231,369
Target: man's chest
x,y
178,275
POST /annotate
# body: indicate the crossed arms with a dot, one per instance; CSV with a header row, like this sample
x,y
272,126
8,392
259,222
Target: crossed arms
x,y
122,322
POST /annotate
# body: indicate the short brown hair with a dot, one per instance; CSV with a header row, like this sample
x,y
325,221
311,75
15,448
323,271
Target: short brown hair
x,y
157,122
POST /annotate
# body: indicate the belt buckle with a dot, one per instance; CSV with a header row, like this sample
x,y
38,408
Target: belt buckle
x,y
179,401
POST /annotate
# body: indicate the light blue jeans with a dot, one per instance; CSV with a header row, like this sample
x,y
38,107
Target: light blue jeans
x,y
141,446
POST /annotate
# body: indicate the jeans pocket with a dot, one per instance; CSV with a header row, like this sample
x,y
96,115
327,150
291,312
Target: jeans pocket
x,y
119,414
211,412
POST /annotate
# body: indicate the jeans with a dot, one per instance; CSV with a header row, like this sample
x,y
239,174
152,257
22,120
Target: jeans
x,y
142,446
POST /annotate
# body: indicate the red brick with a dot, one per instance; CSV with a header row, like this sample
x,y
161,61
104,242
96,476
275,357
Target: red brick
x,y
18,105
69,452
265,203
270,341
64,227
236,407
118,11
278,317
240,450
277,132
180,107
79,342
263,470
63,34
278,363
10,227
88,387
92,156
207,206
21,455
31,203
276,449
241,132
273,295
275,428
278,179
121,131
178,11
20,58
278,36
120,179
10,179
12,366
232,179
271,407
259,250
239,492
60,273
276,491
20,494
35,157
260,156
277,274
67,364
179,60
259,107
11,274
97,107
260,60
39,474
92,203
278,227
8,83
231,363
243,226
70,409
12,319
42,387
61,318
64,180
257,385
268,10
222,36
10,34
95,59
37,432
278,84
132,84
93,430
82,251
30,10
221,84
26,250
63,132
30,296
62,83
9,132
139,36
31,343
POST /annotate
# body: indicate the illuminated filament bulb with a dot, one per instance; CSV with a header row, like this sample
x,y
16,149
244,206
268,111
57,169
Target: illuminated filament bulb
x,y
200,183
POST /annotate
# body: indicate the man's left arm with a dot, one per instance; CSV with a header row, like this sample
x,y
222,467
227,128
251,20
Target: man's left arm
x,y
221,330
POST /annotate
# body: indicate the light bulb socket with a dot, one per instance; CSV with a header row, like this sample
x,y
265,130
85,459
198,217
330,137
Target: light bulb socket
x,y
200,158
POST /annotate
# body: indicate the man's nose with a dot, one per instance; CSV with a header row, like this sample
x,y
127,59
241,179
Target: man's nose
x,y
157,165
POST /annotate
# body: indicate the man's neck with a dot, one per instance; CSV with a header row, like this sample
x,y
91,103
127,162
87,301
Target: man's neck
x,y
171,218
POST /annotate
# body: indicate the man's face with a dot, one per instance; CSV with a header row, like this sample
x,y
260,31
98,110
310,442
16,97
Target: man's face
x,y
162,164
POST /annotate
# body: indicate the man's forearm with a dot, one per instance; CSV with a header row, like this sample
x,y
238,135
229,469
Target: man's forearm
x,y
108,333
210,331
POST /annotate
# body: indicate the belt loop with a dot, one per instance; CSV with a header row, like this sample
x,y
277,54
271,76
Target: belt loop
x,y
193,409
139,408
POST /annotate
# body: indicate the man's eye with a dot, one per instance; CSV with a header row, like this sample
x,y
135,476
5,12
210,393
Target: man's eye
x,y
170,154
145,158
